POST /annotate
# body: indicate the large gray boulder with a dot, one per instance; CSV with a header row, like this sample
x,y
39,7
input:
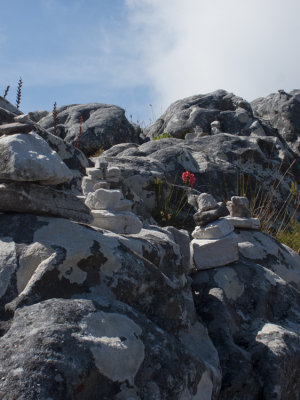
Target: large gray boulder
x,y
197,113
263,249
252,316
282,112
16,122
84,349
28,157
87,316
103,126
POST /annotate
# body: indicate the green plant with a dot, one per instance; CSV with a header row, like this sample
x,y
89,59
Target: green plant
x,y
98,153
19,93
164,135
171,201
290,235
80,132
276,215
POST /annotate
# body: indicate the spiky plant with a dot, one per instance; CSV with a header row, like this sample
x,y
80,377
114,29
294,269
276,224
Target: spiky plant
x,y
80,133
19,93
54,113
6,92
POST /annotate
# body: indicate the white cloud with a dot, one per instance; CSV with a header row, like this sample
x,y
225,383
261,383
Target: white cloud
x,y
197,46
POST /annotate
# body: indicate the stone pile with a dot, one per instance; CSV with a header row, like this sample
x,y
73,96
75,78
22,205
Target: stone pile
x,y
108,207
240,215
214,244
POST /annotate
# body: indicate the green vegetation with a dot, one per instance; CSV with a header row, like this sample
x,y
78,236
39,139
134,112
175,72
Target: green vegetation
x,y
98,153
290,236
172,206
277,216
164,135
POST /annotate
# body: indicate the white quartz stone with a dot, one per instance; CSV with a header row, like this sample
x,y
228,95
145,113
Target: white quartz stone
x,y
211,253
87,185
94,173
103,199
206,202
214,230
244,223
119,221
124,205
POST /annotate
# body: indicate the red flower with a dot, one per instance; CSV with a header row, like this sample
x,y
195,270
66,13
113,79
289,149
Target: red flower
x,y
188,178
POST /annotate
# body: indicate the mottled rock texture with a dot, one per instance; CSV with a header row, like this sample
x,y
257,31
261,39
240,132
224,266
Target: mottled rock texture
x,y
91,314
103,126
252,316
281,111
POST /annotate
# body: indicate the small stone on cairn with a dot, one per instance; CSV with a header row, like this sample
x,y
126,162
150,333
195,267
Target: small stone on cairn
x,y
240,215
214,244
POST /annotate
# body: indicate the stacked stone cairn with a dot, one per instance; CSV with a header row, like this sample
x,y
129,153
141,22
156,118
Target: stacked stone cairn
x,y
105,199
240,215
214,243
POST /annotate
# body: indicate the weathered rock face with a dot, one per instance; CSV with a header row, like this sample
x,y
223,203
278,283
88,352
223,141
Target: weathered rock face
x,y
221,163
42,200
103,126
282,112
252,316
261,248
80,349
115,323
88,313
13,122
202,113
28,157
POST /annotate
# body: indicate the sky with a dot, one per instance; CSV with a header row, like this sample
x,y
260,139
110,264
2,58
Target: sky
x,y
142,55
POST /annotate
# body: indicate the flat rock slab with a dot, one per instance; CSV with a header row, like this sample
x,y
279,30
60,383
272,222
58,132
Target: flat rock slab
x,y
212,253
214,230
15,127
202,218
37,199
95,173
28,157
119,222
244,223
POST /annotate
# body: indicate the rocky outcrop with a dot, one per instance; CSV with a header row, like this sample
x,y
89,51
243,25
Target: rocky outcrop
x,y
13,122
211,113
28,157
255,331
103,126
96,304
223,165
281,111
114,322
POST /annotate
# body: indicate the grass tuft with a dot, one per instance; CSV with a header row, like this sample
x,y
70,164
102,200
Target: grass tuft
x,y
164,135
